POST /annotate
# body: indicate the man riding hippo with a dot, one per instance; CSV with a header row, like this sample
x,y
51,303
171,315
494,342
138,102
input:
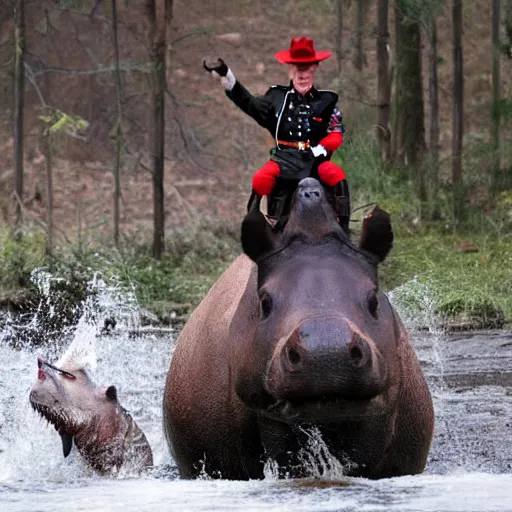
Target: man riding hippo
x,y
304,121
91,417
296,338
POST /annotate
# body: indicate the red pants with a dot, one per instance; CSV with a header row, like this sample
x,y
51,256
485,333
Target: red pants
x,y
264,179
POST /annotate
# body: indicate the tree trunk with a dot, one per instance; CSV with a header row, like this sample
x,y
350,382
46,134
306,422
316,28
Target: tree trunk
x,y
383,82
433,99
47,148
339,36
506,47
409,122
19,88
507,13
359,57
496,96
118,131
161,15
458,93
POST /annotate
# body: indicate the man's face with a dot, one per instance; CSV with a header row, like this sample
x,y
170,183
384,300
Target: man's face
x,y
302,76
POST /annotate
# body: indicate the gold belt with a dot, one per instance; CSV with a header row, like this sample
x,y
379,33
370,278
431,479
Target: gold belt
x,y
301,146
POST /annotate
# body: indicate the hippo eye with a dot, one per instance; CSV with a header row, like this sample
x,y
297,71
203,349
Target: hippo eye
x,y
373,304
265,305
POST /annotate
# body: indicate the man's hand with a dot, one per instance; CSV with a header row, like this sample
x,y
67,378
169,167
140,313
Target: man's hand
x,y
220,67
318,151
221,70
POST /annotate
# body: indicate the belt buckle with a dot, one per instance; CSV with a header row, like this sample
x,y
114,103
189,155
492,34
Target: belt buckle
x,y
302,145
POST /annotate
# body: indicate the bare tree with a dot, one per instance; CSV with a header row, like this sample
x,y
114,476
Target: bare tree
x,y
339,35
458,96
161,16
506,46
496,94
47,149
48,153
19,96
409,119
359,56
508,16
433,101
118,129
383,80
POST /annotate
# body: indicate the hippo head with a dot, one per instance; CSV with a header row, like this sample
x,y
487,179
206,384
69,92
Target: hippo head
x,y
325,343
70,401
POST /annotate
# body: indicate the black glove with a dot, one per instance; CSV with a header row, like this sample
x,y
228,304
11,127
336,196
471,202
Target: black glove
x,y
220,67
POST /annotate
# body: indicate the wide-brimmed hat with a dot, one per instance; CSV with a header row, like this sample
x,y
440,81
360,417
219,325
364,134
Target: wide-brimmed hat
x,y
302,51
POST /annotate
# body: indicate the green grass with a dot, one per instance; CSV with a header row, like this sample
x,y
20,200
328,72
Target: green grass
x,y
428,237
195,257
475,283
18,257
472,283
426,253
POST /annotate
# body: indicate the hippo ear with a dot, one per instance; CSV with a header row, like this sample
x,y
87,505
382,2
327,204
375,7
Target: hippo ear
x,y
111,393
257,235
377,234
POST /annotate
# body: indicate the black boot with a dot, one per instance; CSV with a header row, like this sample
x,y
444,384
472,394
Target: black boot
x,y
253,200
342,204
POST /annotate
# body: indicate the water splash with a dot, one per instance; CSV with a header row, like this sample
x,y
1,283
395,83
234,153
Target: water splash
x,y
26,329
43,281
417,306
318,461
32,451
106,303
271,470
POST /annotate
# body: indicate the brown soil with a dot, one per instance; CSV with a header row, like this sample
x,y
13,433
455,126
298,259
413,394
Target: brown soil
x,y
212,148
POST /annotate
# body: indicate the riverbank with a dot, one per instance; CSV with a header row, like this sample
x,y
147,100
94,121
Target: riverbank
x,y
464,280
468,278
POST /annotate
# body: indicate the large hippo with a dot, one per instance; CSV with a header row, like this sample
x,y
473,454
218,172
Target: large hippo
x,y
296,335
104,433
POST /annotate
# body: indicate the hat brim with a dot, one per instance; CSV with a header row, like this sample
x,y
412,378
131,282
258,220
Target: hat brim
x,y
284,57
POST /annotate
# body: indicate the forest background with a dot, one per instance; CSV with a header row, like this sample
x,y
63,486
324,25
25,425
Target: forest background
x,y
121,156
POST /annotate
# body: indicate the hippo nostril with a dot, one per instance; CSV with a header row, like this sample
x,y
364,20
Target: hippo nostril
x,y
356,354
309,194
293,355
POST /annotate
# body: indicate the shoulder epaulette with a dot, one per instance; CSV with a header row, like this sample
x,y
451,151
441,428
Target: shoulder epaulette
x,y
328,91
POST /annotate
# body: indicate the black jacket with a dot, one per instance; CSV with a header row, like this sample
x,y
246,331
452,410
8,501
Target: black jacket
x,y
286,114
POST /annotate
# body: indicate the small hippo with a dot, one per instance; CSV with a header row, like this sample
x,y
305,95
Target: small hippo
x,y
105,434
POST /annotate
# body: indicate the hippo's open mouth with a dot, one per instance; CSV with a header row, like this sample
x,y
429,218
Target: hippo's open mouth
x,y
329,408
60,424
53,417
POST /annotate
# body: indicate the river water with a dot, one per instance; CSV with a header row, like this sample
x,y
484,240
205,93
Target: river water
x,y
469,468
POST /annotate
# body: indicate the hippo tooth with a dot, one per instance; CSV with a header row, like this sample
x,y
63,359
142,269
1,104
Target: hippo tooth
x,y
67,443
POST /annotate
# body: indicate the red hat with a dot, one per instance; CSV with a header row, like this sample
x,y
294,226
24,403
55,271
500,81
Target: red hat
x,y
302,51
